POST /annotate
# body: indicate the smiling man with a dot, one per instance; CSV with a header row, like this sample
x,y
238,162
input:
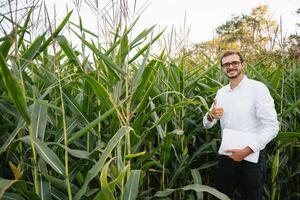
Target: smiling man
x,y
244,105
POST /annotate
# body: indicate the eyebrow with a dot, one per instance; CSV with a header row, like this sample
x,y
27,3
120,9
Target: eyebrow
x,y
232,62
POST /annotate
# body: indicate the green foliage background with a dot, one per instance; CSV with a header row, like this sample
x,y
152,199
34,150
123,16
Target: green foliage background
x,y
118,122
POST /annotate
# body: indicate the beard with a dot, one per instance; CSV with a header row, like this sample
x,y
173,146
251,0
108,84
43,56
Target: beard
x,y
235,75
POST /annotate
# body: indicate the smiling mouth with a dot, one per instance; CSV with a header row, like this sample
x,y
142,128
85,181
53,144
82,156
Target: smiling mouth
x,y
229,71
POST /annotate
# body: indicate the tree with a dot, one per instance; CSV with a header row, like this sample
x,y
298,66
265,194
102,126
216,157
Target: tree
x,y
294,43
251,34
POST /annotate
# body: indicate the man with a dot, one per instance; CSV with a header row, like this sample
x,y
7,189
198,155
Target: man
x,y
243,105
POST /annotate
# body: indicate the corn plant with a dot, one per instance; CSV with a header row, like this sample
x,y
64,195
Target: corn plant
x,y
98,126
115,121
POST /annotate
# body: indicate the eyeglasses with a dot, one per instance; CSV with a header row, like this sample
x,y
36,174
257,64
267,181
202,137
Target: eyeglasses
x,y
233,63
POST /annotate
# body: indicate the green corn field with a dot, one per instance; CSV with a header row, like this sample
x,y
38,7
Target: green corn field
x,y
116,121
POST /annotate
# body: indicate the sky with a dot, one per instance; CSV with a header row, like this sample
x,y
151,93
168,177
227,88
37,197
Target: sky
x,y
201,17
193,19
204,16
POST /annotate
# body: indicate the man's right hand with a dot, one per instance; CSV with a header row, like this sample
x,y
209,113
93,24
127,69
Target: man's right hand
x,y
216,112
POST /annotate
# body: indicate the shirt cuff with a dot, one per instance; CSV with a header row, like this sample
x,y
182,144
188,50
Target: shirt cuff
x,y
254,145
207,123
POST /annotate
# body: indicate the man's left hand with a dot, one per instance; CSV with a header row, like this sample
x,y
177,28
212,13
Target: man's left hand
x,y
239,154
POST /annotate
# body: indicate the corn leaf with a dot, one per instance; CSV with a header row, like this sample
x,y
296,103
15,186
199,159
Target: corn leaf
x,y
275,81
106,192
197,180
44,189
123,50
145,80
265,81
132,185
99,165
12,196
196,188
5,184
285,135
64,44
47,154
142,50
39,120
12,136
291,108
22,33
15,91
32,51
89,126
6,44
101,92
54,34
112,67
166,148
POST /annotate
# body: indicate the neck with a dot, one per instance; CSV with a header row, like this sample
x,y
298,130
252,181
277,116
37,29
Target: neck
x,y
235,81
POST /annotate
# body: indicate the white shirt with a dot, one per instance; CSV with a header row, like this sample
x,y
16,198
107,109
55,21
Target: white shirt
x,y
249,107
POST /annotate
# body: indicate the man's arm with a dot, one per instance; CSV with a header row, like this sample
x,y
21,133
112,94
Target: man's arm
x,y
239,154
210,118
265,111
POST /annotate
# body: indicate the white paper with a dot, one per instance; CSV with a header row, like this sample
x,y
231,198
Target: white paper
x,y
232,139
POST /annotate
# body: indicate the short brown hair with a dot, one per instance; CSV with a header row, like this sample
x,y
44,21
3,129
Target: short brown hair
x,y
228,53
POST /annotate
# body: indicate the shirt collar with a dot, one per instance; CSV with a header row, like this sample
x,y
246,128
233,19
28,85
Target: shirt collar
x,y
241,83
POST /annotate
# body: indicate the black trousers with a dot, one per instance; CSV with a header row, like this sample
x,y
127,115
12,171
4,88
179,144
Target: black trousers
x,y
245,177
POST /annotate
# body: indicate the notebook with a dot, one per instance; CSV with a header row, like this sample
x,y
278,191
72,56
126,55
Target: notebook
x,y
232,139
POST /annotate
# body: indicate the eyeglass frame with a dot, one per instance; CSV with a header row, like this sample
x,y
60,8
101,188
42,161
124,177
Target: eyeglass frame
x,y
233,63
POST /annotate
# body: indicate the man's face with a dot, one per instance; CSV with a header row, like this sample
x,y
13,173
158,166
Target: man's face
x,y
232,66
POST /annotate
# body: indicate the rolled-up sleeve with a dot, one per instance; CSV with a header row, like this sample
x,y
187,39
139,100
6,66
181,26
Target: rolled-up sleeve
x,y
266,113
